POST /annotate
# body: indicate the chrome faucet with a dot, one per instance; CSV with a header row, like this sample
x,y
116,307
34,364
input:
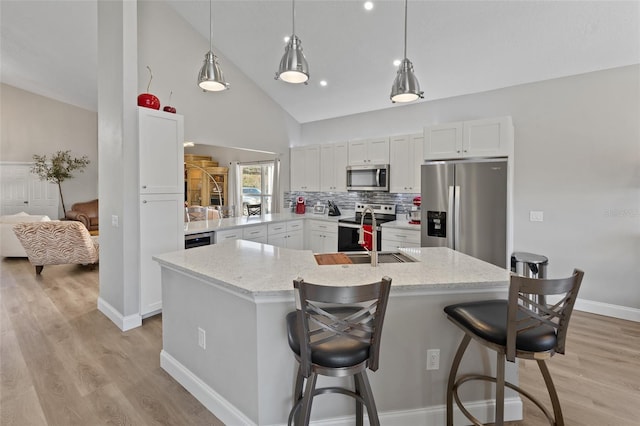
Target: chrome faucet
x,y
374,235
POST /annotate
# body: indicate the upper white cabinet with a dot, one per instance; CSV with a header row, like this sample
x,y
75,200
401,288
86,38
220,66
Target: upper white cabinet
x,y
406,159
491,137
369,151
333,166
161,142
305,168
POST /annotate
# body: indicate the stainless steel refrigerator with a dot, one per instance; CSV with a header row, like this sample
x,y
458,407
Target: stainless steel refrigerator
x,y
464,207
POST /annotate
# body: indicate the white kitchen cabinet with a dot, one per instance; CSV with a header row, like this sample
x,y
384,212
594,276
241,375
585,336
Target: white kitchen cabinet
x,y
286,234
257,233
406,160
491,137
365,152
333,167
161,150
305,168
227,235
161,231
394,238
323,236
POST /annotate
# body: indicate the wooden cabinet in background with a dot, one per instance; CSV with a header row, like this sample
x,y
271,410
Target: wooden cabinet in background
x,y
200,191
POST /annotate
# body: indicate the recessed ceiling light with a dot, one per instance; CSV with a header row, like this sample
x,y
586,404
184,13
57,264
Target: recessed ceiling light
x,y
323,83
397,62
368,5
188,144
286,39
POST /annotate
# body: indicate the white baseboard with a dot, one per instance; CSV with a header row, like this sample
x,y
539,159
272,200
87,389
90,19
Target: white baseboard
x,y
123,323
229,414
606,309
226,412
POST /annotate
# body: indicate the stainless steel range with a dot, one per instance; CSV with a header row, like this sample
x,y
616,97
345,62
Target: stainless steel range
x,y
349,227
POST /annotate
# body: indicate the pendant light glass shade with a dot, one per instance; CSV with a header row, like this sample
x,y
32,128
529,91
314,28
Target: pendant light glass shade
x,y
405,87
293,65
210,77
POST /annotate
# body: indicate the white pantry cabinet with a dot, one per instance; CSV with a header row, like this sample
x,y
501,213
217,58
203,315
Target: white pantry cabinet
x,y
365,152
490,137
161,231
333,167
323,236
161,149
406,160
305,168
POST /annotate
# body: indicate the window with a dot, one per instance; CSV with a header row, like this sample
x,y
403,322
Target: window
x,y
257,186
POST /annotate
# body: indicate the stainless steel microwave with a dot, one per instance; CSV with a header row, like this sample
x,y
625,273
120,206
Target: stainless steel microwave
x,y
368,178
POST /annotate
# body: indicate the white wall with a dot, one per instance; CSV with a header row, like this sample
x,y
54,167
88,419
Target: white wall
x,y
243,116
32,124
577,158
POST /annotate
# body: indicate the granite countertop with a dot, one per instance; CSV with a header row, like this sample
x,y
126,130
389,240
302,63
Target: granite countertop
x,y
258,270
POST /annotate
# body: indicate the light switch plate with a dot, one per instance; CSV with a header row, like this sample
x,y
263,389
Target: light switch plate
x,y
114,221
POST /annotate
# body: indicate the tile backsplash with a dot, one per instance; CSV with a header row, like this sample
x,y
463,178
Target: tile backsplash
x,y
347,200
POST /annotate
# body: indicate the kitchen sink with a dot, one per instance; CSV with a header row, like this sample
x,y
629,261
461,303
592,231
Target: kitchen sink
x,y
383,257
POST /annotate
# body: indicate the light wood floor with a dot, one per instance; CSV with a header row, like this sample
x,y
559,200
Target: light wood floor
x,y
64,363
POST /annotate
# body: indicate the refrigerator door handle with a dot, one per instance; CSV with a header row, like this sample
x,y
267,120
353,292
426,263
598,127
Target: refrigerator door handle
x,y
456,219
450,209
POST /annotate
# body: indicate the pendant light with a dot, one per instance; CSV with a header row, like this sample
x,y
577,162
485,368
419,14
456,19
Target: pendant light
x,y
293,65
210,78
405,87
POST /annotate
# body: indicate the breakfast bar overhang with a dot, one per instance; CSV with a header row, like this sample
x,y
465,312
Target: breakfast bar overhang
x,y
224,334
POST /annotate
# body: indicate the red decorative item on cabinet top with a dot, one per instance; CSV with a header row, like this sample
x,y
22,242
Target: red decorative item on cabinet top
x,y
148,100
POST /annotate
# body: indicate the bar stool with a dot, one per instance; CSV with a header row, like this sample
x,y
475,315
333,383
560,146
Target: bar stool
x,y
519,327
335,331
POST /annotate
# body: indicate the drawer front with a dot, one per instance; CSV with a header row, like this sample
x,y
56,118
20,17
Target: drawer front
x,y
295,225
230,234
277,228
321,226
254,232
403,235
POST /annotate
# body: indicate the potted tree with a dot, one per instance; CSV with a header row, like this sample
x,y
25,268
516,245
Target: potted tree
x,y
58,169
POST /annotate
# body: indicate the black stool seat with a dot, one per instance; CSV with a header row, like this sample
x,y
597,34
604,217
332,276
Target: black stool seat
x,y
487,319
338,352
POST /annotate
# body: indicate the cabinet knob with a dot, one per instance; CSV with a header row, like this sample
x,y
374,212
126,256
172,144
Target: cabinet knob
x,y
144,201
458,151
144,186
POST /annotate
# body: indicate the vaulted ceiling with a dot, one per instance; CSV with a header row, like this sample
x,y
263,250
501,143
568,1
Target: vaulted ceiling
x,y
457,47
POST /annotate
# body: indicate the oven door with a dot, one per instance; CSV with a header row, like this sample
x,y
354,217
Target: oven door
x,y
349,234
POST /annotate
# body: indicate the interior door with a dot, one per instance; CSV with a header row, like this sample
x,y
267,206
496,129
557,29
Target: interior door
x,y
483,210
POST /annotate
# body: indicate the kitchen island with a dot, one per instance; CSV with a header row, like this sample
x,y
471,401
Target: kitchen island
x,y
224,335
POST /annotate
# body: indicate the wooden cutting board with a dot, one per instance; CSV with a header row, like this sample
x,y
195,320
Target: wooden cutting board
x,y
333,259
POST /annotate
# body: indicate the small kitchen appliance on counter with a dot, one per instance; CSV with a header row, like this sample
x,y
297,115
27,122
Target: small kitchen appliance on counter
x,y
300,208
333,209
414,216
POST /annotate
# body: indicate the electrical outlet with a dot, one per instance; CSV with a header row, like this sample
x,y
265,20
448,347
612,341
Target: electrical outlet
x,y
536,216
202,338
433,359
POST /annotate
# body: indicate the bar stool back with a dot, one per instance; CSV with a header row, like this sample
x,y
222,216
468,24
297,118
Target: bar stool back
x,y
521,327
335,331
